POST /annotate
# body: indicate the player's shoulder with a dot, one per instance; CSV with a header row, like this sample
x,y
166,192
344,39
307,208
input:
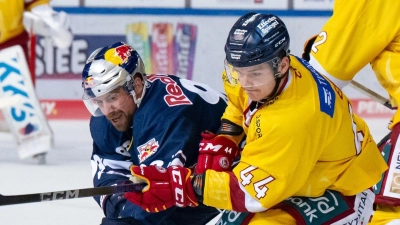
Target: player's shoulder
x,y
176,91
302,69
100,125
105,135
313,87
98,121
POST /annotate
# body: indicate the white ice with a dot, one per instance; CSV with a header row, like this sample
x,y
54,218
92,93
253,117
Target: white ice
x,y
68,167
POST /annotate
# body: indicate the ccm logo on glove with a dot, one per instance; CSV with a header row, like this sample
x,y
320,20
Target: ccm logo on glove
x,y
216,152
166,187
177,178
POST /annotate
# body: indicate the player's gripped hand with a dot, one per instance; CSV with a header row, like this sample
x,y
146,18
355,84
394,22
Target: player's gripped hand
x,y
216,152
166,187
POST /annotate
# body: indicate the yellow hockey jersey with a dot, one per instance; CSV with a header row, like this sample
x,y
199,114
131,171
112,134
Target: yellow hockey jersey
x,y
11,15
361,32
301,143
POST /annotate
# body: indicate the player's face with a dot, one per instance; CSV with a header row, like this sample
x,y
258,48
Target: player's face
x,y
118,107
258,81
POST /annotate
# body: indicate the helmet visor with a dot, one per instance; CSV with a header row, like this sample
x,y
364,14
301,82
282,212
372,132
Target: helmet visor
x,y
100,105
251,76
231,73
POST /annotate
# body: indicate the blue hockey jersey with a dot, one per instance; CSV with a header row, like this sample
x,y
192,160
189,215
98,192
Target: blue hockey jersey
x,y
166,131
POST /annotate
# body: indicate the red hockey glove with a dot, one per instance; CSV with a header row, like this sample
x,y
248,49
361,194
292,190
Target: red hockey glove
x,y
166,188
216,152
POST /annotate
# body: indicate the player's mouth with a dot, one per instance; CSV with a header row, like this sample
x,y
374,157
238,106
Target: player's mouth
x,y
115,119
250,90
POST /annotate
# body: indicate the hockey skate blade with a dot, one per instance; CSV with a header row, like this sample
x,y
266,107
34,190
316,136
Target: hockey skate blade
x,y
40,159
35,146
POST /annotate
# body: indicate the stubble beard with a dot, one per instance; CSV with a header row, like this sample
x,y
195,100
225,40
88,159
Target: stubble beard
x,y
123,123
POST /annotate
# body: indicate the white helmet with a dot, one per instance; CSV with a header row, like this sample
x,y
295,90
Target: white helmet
x,y
108,68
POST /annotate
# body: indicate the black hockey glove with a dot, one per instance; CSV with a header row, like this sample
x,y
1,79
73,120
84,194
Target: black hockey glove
x,y
113,205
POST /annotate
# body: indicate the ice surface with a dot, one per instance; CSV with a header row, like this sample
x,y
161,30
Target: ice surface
x,y
68,167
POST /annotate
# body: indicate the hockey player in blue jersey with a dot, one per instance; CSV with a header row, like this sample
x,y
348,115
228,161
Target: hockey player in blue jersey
x,y
144,120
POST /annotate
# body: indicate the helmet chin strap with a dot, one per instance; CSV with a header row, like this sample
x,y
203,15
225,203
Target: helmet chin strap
x,y
276,91
135,98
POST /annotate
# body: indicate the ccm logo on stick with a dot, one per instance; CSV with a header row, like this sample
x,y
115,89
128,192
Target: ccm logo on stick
x,y
59,195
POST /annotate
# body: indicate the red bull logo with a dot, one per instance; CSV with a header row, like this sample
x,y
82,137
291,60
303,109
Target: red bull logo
x,y
147,149
89,82
123,51
118,55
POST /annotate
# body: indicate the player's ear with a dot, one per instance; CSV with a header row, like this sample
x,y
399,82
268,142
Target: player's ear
x,y
138,85
284,65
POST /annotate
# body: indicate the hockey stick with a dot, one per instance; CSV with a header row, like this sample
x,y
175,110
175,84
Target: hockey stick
x,y
68,194
368,92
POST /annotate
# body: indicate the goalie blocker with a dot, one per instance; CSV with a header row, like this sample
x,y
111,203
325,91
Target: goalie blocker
x,y
24,117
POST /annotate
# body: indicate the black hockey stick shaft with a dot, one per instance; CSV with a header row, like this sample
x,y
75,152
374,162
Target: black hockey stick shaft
x,y
375,96
69,194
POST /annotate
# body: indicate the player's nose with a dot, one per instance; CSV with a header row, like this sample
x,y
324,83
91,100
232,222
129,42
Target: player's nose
x,y
108,108
244,80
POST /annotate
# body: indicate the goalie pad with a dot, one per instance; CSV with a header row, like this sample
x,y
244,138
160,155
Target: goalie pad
x,y
9,101
21,107
388,189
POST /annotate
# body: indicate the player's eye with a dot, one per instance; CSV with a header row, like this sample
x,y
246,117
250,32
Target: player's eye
x,y
113,97
255,74
97,102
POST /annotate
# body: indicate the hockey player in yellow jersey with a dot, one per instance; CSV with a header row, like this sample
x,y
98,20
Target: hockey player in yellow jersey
x,y
307,158
359,33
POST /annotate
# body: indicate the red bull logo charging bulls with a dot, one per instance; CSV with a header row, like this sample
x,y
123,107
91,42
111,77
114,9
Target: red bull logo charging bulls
x,y
147,149
119,54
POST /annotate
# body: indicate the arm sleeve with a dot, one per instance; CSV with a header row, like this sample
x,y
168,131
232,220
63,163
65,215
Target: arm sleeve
x,y
344,46
173,142
110,166
268,168
176,142
110,163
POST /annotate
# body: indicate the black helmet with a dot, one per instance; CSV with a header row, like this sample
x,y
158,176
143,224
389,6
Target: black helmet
x,y
256,38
